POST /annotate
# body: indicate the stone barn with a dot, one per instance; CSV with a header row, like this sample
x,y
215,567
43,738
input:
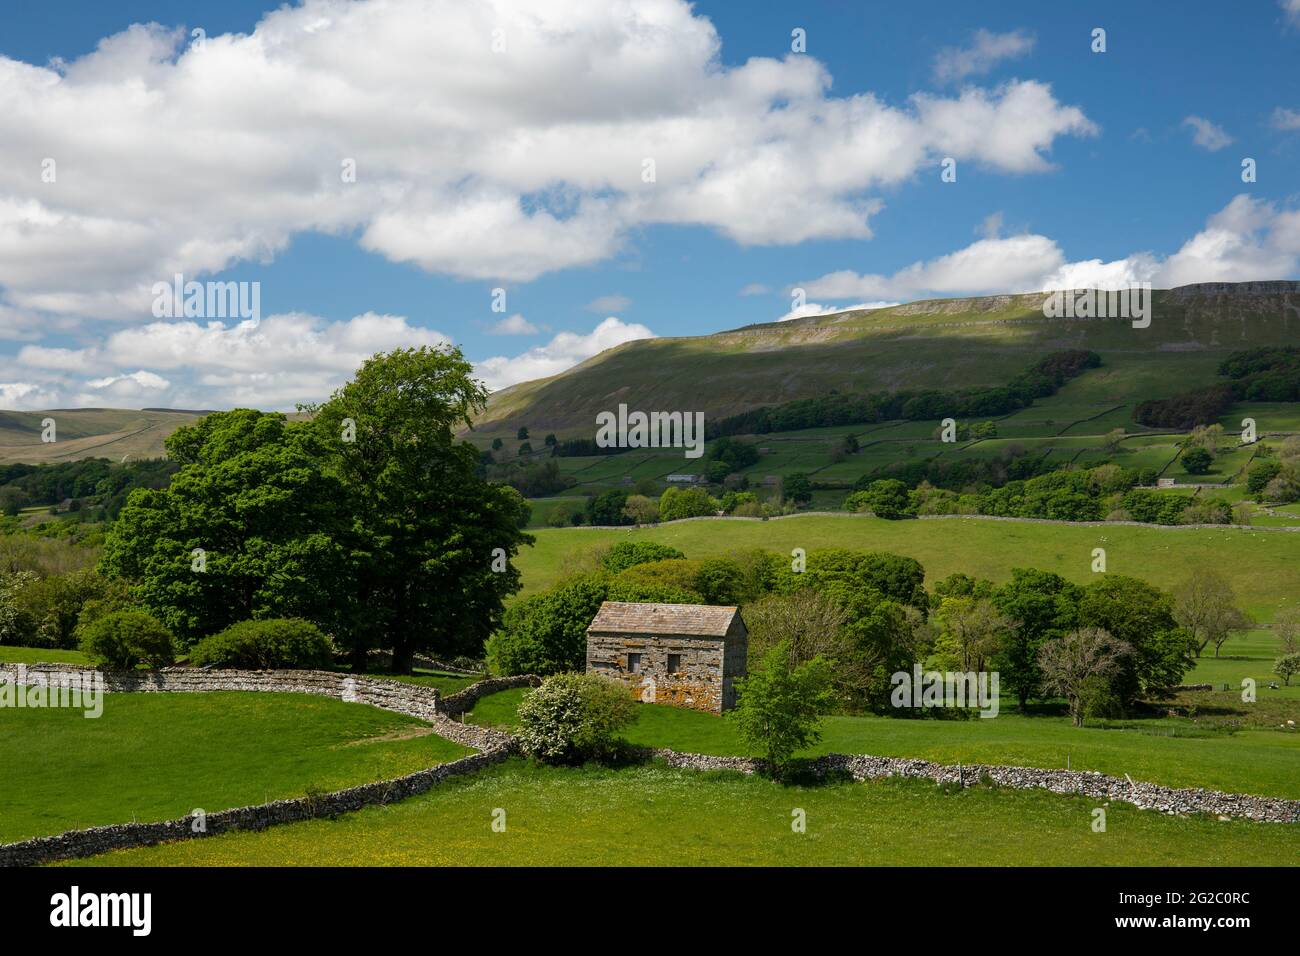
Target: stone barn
x,y
686,655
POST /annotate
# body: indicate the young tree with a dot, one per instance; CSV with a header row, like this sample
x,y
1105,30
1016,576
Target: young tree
x,y
1287,667
1197,461
971,631
431,540
1206,607
1079,659
780,706
1114,438
522,434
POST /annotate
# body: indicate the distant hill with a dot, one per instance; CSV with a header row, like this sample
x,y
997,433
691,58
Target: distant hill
x,y
113,433
941,343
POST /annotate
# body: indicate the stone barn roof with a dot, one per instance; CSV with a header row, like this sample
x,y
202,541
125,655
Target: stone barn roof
x,y
699,620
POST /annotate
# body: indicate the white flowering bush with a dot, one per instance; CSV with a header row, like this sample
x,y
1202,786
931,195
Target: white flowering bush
x,y
574,717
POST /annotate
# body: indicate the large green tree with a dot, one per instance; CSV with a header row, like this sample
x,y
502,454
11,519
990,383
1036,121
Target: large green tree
x,y
431,541
1042,607
250,526
1141,616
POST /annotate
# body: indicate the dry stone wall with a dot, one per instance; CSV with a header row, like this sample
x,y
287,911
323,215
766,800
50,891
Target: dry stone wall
x,y
1148,796
413,700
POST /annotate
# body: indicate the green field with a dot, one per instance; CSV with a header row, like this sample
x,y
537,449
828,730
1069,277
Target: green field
x,y
651,815
41,655
1263,566
160,756
1175,752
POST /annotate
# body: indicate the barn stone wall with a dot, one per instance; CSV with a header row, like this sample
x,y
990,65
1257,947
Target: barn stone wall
x,y
698,683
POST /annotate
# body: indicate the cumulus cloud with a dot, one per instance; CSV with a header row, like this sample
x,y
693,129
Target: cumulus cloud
x,y
1286,119
564,351
172,158
514,325
984,52
1206,134
987,265
275,363
1249,239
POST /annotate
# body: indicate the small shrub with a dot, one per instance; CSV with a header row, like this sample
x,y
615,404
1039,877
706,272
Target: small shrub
x,y
574,717
270,644
627,553
123,639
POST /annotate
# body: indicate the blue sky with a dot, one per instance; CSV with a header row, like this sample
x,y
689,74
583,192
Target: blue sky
x,y
775,170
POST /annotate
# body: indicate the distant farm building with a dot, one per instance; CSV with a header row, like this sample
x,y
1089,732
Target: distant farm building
x,y
685,479
685,655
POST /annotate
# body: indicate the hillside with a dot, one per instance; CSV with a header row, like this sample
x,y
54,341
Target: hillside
x,y
113,433
942,343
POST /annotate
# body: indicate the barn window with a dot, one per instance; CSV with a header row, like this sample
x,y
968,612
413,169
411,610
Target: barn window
x,y
634,663
674,663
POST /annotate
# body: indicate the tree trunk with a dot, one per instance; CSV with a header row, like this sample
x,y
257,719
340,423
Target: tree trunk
x,y
403,652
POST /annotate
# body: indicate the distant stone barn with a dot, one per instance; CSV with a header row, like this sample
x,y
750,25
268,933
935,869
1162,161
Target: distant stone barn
x,y
686,655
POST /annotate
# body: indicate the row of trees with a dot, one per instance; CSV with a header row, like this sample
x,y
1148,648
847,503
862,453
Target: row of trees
x,y
1105,493
871,614
1039,381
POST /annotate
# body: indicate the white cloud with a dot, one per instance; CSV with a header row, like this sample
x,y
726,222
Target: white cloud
x,y
1284,118
1016,263
275,363
608,304
985,51
755,288
1206,134
1249,239
24,395
1292,10
175,159
514,325
562,352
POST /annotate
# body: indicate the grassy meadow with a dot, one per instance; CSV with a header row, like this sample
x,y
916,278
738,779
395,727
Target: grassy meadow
x,y
160,756
654,816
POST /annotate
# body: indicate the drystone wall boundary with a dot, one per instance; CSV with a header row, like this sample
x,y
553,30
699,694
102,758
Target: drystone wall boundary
x,y
413,700
1147,796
